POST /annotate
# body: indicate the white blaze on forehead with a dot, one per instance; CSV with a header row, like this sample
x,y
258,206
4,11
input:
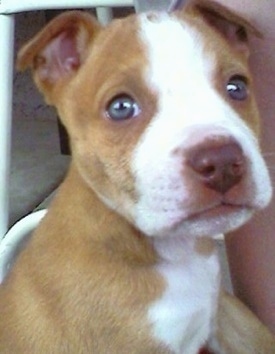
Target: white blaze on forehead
x,y
180,73
173,50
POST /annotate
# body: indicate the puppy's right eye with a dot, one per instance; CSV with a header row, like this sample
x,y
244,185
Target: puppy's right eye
x,y
122,107
237,88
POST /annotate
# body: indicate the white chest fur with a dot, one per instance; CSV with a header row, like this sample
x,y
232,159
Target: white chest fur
x,y
183,316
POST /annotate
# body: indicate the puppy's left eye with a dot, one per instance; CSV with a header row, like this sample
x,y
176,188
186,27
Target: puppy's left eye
x,y
122,107
237,88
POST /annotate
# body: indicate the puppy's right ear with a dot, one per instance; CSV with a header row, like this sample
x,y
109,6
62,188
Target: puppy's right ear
x,y
57,52
234,28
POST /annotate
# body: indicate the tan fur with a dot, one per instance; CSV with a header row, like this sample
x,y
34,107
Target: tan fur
x,y
84,282
102,282
232,42
239,331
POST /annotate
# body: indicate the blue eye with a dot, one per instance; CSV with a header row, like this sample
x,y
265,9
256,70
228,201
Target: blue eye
x,y
122,107
237,88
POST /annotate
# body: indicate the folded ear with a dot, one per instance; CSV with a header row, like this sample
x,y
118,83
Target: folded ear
x,y
58,51
230,25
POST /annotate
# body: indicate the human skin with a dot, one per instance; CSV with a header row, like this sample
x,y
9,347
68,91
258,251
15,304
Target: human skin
x,y
251,249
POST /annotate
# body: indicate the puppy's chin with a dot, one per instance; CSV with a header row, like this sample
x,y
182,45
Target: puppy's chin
x,y
210,223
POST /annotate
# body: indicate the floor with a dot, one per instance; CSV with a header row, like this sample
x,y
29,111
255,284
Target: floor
x,y
37,167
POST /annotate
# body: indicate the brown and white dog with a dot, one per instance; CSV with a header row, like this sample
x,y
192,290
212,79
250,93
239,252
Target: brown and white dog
x,y
163,127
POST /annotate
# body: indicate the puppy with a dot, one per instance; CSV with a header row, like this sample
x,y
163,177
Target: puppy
x,y
163,127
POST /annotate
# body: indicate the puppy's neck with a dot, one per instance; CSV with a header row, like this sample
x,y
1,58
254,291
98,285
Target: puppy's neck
x,y
84,210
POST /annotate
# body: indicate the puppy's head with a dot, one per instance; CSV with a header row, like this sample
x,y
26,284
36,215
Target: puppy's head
x,y
161,114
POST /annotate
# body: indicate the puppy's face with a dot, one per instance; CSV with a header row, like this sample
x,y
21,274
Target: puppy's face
x,y
197,165
162,118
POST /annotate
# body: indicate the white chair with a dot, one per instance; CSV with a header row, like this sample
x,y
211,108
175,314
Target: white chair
x,y
11,241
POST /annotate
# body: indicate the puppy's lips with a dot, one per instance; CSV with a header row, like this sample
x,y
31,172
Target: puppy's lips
x,y
222,209
221,218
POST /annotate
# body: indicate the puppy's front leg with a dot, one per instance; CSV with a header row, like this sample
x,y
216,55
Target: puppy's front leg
x,y
239,331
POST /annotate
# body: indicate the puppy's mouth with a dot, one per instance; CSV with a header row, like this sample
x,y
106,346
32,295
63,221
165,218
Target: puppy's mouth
x,y
218,219
220,210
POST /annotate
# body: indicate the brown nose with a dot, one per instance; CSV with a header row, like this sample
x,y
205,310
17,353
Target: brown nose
x,y
219,166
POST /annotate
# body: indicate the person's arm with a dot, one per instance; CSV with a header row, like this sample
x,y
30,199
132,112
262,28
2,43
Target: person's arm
x,y
251,249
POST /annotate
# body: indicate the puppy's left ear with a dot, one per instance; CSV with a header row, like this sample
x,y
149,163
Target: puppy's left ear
x,y
58,51
234,28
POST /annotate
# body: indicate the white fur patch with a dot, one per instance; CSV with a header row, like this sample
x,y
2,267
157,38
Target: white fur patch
x,y
184,316
180,72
